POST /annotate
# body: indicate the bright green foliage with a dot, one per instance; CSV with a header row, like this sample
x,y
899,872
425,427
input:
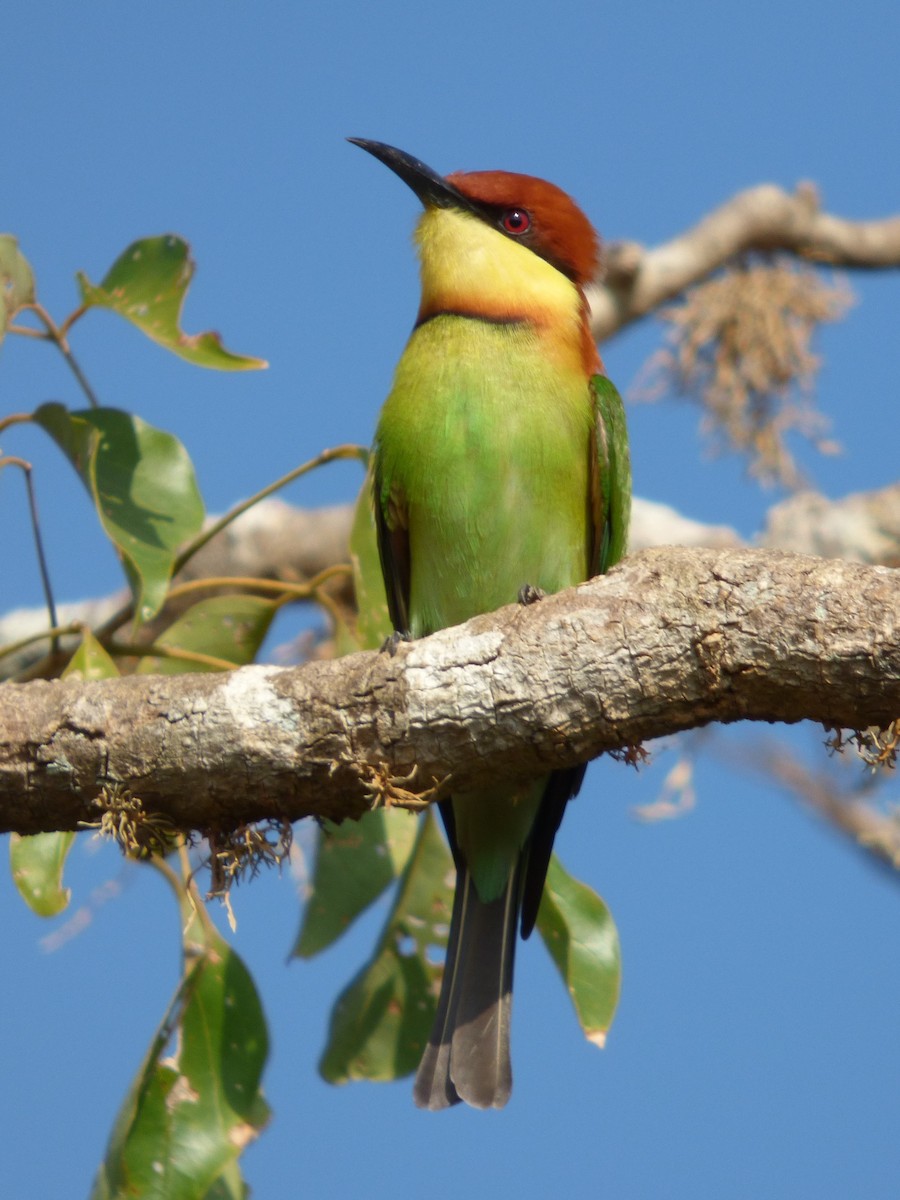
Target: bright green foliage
x,y
355,862
90,660
16,281
143,485
147,285
581,936
381,1021
231,628
37,864
188,1116
229,1186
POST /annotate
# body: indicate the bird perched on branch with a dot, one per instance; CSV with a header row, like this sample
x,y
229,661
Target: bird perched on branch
x,y
501,472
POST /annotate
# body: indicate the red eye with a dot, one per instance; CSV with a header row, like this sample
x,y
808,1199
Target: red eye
x,y
516,221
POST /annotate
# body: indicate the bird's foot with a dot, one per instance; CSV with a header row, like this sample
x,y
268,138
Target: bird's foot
x,y
530,595
394,791
390,644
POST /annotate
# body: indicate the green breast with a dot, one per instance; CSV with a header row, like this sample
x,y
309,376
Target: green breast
x,y
487,441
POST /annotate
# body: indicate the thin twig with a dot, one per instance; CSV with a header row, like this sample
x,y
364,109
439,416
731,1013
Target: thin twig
x,y
327,456
25,467
56,632
159,650
58,336
293,591
15,419
73,316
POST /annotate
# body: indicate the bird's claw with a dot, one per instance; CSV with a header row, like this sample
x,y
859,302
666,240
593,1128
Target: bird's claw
x,y
530,595
390,644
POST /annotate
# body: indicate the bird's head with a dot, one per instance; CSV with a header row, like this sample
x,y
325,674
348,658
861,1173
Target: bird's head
x,y
503,242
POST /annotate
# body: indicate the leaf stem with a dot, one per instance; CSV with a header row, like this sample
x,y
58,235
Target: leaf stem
x,y
57,334
158,650
57,632
15,419
70,320
278,587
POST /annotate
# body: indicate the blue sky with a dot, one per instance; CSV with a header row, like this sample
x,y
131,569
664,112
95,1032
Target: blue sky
x,y
756,1050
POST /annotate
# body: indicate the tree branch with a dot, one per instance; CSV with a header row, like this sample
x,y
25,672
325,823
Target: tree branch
x,y
763,218
670,640
873,833
278,541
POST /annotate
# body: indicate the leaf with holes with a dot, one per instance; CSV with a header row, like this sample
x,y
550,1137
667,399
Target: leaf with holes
x,y
143,486
381,1021
188,1117
147,285
581,936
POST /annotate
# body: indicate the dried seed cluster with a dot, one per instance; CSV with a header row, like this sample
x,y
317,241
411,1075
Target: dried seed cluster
x,y
740,344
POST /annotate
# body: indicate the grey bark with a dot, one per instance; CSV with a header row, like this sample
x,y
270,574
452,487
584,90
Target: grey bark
x,y
669,640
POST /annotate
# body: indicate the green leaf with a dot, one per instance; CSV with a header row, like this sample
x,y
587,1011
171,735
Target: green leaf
x,y
188,1117
147,285
16,281
229,1186
355,862
37,862
143,485
373,623
91,661
582,939
37,868
382,1019
227,627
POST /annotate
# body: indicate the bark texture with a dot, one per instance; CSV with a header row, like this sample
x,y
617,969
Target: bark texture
x,y
276,541
669,640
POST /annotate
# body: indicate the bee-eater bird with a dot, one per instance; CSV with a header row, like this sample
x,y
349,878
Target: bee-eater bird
x,y
501,471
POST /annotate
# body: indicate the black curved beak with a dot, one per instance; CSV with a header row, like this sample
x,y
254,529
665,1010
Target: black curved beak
x,y
431,188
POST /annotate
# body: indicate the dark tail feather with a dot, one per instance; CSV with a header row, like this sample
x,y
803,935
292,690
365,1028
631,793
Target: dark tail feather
x,y
467,1057
561,787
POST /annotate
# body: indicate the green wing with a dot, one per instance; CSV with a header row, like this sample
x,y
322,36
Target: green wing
x,y
610,477
393,548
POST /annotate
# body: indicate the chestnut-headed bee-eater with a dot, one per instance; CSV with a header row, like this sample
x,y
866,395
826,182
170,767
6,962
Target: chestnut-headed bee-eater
x,y
501,471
